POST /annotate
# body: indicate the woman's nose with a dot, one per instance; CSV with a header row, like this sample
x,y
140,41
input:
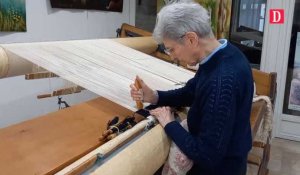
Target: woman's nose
x,y
175,59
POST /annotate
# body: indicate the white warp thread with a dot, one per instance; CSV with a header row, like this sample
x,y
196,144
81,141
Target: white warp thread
x,y
102,66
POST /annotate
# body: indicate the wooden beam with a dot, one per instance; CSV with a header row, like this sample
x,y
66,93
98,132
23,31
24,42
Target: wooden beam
x,y
132,31
64,91
40,75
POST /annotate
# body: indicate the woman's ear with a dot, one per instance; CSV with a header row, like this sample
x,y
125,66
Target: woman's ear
x,y
192,38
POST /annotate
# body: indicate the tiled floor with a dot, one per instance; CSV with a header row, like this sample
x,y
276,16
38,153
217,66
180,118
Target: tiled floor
x,y
285,157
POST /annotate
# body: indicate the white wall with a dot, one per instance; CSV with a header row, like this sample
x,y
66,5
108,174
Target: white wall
x,y
18,96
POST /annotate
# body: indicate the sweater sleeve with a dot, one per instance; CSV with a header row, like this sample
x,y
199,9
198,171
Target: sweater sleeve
x,y
208,146
179,97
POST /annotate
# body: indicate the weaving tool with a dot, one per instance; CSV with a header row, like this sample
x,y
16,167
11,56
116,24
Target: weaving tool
x,y
139,103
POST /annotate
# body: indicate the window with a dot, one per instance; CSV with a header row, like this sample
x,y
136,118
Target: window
x,y
291,103
247,24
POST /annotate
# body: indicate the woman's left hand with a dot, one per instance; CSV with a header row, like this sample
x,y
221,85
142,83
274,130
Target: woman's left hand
x,y
163,115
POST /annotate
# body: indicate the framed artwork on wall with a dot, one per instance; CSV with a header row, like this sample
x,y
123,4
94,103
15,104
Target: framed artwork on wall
x,y
12,16
106,5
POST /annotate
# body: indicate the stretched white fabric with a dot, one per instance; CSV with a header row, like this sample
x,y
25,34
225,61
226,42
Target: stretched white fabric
x,y
102,66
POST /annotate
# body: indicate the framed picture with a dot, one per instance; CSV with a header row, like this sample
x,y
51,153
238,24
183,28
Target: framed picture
x,y
107,5
12,15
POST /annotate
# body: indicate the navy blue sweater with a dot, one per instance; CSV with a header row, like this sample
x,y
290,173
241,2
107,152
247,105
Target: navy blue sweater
x,y
220,99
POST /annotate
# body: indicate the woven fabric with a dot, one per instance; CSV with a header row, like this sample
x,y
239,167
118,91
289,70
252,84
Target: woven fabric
x,y
178,163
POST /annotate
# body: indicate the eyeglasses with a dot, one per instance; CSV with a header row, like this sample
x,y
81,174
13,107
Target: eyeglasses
x,y
168,51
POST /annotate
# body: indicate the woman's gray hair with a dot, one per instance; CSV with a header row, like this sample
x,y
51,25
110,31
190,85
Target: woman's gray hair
x,y
177,18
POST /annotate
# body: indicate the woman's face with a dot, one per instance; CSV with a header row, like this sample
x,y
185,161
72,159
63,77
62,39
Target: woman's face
x,y
182,50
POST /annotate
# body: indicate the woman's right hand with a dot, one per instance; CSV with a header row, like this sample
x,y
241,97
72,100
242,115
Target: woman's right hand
x,y
145,94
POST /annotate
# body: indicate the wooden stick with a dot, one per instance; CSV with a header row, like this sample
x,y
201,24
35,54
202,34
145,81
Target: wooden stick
x,y
44,96
84,166
65,91
39,75
70,90
139,104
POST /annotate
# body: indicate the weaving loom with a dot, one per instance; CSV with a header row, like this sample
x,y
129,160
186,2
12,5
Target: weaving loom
x,y
107,68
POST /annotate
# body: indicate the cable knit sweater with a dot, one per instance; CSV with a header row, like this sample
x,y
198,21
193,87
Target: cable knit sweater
x,y
220,99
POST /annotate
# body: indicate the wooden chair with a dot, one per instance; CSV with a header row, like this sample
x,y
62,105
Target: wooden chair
x,y
127,30
265,83
259,156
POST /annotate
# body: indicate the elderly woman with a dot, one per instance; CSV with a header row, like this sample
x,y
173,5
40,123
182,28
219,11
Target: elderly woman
x,y
219,95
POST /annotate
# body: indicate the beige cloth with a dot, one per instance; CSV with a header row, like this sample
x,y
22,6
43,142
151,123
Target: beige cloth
x,y
267,122
178,163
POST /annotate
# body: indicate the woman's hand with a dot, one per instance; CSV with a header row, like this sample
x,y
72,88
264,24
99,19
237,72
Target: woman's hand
x,y
145,94
163,115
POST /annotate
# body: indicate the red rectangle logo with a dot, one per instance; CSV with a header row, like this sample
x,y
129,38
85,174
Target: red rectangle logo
x,y
276,16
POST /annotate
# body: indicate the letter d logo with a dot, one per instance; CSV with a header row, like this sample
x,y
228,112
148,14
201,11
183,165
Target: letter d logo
x,y
276,16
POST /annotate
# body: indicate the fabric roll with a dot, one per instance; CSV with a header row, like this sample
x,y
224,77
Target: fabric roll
x,y
144,156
